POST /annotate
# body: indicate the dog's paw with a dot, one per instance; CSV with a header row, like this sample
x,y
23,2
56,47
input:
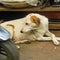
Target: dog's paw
x,y
56,42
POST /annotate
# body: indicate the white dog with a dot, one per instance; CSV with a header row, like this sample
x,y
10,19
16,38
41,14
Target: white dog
x,y
31,2
30,28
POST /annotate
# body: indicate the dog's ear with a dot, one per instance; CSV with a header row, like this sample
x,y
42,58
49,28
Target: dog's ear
x,y
35,19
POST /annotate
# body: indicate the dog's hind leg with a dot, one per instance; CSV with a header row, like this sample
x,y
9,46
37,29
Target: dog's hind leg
x,y
21,42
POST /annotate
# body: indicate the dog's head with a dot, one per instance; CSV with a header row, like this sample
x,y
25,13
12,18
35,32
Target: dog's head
x,y
32,22
33,2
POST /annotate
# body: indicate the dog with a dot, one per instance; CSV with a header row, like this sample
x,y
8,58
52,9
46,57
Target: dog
x,y
33,2
30,2
30,28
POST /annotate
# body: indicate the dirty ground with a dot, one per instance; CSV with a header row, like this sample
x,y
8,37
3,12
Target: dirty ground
x,y
40,50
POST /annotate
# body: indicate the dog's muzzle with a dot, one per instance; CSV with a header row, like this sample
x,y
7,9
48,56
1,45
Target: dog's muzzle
x,y
28,30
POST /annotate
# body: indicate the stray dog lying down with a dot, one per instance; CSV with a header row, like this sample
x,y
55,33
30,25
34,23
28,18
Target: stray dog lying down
x,y
30,2
30,28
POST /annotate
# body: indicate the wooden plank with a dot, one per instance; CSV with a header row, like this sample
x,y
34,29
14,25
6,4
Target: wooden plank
x,y
54,26
56,32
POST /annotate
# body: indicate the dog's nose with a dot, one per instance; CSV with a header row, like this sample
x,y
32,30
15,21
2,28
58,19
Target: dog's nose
x,y
21,31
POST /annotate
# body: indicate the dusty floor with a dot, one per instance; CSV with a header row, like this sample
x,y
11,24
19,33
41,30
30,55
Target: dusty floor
x,y
40,50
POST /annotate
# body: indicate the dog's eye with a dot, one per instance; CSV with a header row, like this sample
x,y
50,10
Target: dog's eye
x,y
27,24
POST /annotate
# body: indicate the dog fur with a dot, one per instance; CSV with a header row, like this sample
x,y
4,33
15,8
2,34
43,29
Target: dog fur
x,y
30,28
31,2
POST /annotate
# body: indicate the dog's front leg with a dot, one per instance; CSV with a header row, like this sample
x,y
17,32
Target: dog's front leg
x,y
56,42
40,37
